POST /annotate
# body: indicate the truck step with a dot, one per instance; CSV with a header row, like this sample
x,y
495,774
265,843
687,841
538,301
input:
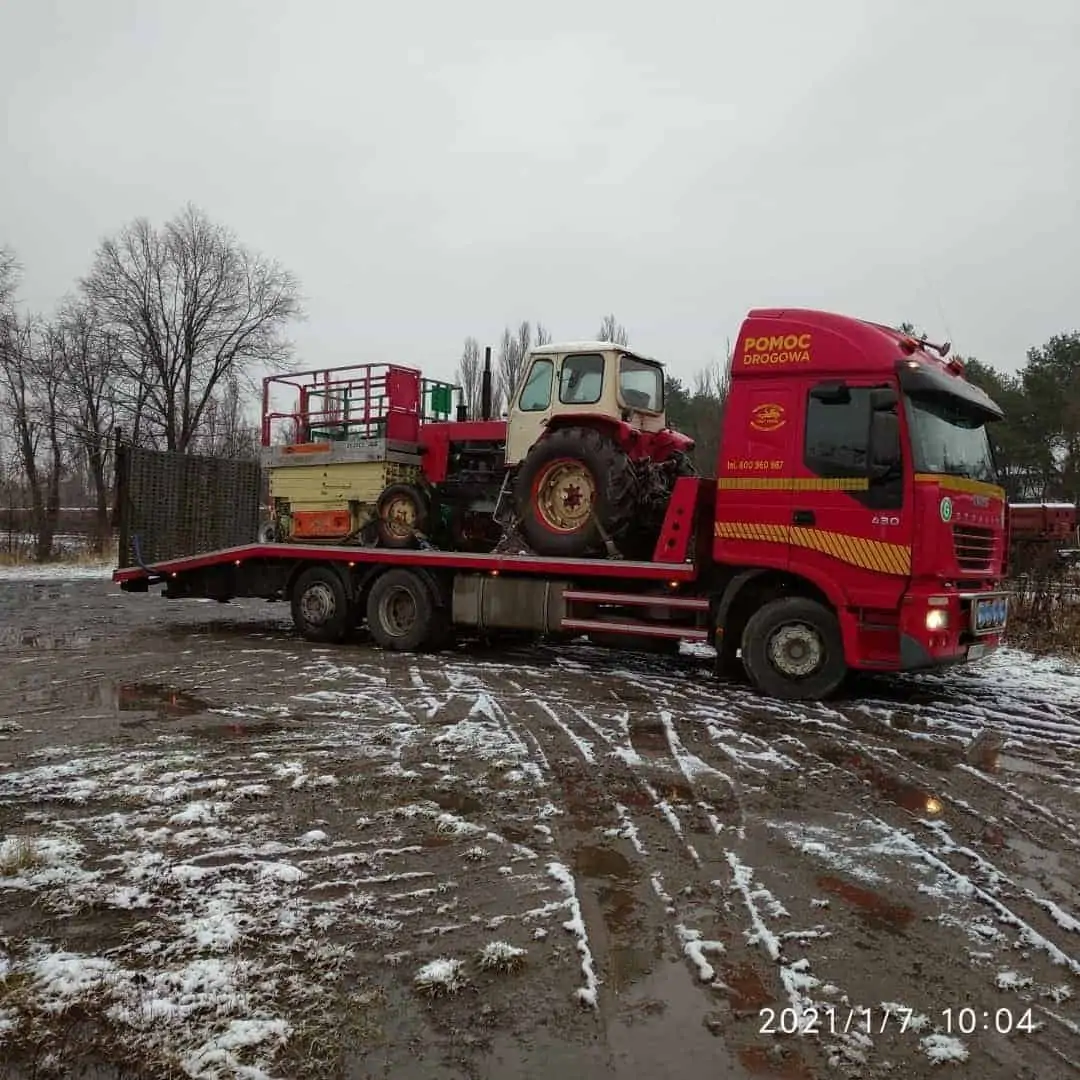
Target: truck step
x,y
682,603
639,629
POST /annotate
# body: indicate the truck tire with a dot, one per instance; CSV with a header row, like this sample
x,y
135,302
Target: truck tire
x,y
792,648
401,513
400,611
321,609
568,478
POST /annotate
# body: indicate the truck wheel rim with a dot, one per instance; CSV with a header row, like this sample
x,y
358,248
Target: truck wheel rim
x,y
400,516
564,495
397,612
796,650
318,604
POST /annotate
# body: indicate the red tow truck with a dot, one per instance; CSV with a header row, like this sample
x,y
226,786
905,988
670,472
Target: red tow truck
x,y
854,522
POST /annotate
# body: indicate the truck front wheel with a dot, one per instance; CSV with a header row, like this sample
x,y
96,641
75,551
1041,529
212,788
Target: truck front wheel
x,y
400,611
321,609
792,648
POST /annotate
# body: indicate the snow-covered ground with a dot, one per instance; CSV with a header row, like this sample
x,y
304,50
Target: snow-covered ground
x,y
231,854
58,571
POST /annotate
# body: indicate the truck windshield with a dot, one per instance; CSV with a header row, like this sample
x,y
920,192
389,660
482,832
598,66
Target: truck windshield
x,y
641,385
949,438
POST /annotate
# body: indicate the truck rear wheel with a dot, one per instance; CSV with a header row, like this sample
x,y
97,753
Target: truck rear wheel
x,y
571,480
400,611
321,609
792,648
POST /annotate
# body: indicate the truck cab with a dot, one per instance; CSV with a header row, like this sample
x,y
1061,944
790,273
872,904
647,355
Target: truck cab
x,y
855,459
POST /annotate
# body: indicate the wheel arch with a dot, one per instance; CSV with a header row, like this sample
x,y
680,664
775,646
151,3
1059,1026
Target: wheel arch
x,y
750,588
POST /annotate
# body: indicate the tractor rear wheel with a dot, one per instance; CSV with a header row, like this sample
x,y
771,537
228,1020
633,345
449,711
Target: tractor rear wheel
x,y
401,513
574,489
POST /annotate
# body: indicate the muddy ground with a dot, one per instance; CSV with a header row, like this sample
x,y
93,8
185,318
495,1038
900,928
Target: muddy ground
x,y
227,852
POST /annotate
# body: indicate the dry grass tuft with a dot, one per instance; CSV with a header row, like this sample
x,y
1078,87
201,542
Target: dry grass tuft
x,y
501,956
1044,615
17,854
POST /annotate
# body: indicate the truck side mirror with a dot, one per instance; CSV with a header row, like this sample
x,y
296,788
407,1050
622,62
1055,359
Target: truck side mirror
x,y
884,444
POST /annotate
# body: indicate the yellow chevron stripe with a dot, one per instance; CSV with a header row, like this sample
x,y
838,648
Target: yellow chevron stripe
x,y
877,555
792,483
961,484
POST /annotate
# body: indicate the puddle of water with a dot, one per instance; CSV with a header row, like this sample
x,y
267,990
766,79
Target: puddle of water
x,y
871,906
910,797
666,1029
164,702
456,801
747,990
774,1062
595,861
648,737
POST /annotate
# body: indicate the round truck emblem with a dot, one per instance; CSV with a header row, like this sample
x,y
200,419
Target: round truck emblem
x,y
946,509
767,417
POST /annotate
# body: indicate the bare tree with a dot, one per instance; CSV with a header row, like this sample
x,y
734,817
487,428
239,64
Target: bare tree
x,y
9,278
90,365
543,335
30,381
614,331
509,368
227,431
470,376
191,307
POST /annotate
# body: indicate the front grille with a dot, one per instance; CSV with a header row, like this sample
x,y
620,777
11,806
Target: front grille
x,y
974,547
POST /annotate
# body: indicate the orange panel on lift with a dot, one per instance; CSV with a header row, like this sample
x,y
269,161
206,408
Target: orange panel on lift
x,y
321,524
305,448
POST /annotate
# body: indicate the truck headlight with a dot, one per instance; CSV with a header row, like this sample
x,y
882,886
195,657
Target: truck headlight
x,y
937,619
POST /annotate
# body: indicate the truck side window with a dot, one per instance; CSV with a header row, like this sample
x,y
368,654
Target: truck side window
x,y
581,379
837,435
536,393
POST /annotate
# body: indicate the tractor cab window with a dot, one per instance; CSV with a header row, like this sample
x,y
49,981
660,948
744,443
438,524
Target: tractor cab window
x,y
536,393
581,379
641,385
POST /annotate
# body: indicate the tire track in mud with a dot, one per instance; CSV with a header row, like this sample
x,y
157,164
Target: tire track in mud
x,y
1037,921
673,807
903,788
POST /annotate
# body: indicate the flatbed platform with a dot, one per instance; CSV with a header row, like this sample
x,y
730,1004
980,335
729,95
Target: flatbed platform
x,y
480,563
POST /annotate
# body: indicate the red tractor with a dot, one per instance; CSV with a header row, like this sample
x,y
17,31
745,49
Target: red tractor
x,y
583,465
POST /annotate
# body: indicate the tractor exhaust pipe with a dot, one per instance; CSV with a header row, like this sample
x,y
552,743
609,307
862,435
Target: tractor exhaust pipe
x,y
485,386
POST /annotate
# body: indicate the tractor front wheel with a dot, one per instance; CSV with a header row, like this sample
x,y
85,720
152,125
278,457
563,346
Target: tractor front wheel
x,y
401,513
574,490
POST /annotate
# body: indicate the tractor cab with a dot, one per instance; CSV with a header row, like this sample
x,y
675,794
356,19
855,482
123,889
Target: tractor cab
x,y
589,454
584,382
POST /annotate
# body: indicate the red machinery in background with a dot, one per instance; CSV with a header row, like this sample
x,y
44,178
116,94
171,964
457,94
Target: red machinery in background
x,y
1037,529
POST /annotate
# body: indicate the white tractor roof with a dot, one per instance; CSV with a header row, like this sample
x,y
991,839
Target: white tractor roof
x,y
559,347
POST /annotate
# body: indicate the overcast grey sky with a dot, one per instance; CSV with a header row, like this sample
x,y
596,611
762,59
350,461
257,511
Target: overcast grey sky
x,y
433,170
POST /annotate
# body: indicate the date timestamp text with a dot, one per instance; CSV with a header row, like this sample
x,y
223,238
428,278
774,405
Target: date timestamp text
x,y
830,1020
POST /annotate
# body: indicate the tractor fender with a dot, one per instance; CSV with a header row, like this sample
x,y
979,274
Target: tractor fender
x,y
658,445
623,433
